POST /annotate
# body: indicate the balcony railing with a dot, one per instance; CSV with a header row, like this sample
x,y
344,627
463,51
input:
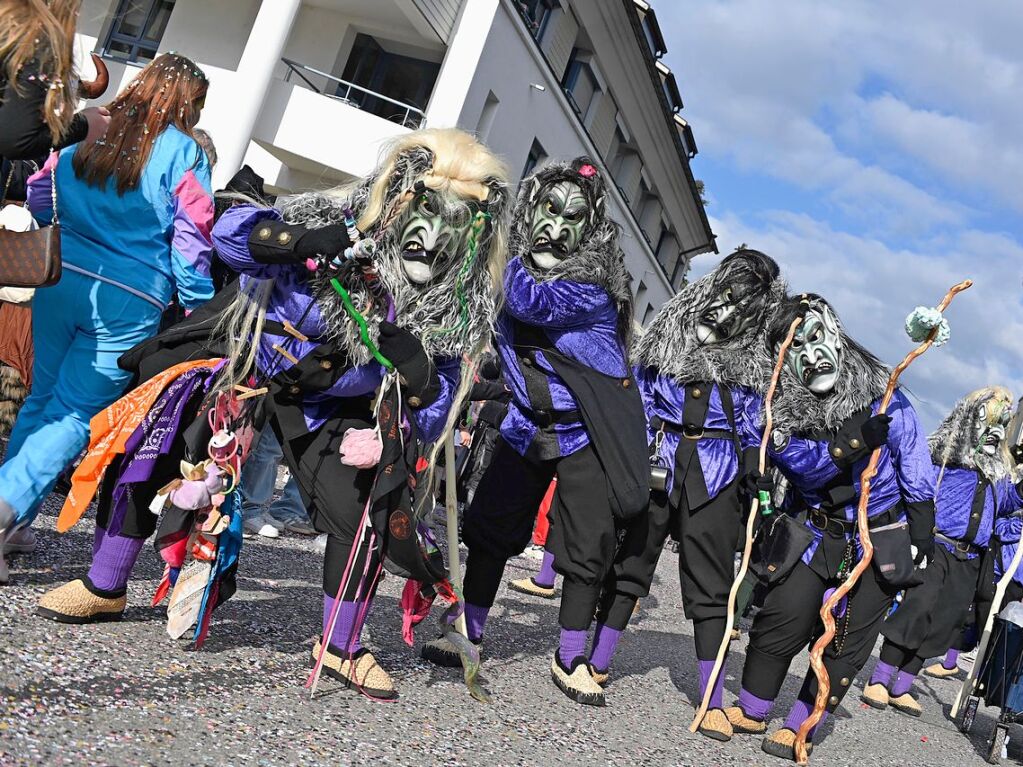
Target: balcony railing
x,y
354,95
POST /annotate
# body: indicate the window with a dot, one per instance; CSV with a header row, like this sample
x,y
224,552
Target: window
x,y
580,83
536,156
138,29
536,14
404,79
487,116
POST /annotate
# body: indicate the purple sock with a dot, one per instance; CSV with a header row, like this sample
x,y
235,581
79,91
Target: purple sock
x,y
717,696
546,575
883,673
951,659
346,634
800,710
754,707
113,557
573,644
605,640
903,683
475,620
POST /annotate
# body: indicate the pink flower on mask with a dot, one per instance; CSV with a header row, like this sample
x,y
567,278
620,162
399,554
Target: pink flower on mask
x,y
587,171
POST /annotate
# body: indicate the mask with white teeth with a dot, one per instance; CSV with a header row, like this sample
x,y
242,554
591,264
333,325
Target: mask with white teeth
x,y
722,319
558,224
975,433
990,424
816,351
425,240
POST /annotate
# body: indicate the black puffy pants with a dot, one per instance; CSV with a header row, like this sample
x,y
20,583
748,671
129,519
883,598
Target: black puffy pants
x,y
582,537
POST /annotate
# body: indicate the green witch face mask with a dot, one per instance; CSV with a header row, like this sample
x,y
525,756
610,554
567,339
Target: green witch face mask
x,y
559,222
990,423
426,240
816,353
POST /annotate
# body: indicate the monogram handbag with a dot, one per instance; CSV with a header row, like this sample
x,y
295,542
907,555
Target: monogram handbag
x,y
31,259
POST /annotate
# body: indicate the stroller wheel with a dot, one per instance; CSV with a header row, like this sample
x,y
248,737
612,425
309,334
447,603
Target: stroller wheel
x,y
997,744
968,714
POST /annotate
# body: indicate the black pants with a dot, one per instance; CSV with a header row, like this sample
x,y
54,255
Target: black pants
x,y
932,614
984,599
790,619
333,493
706,563
582,537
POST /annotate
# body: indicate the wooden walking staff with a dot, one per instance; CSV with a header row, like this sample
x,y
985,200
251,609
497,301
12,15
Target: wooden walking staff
x,y
862,528
747,550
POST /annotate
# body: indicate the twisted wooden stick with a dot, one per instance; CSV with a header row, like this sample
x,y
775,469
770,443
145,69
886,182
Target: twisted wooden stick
x,y
726,639
817,653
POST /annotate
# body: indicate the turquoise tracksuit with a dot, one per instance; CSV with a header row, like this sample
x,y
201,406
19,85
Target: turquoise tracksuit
x,y
124,257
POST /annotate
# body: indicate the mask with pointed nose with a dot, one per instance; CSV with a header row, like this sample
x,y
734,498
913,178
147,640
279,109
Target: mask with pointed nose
x,y
559,222
816,352
425,240
990,424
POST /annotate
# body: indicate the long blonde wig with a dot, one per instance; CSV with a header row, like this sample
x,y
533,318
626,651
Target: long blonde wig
x,y
952,441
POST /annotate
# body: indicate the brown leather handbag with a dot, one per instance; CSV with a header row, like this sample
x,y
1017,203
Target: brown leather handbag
x,y
32,259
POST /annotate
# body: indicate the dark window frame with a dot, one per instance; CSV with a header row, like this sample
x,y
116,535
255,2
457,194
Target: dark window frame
x,y
537,154
575,69
528,9
139,42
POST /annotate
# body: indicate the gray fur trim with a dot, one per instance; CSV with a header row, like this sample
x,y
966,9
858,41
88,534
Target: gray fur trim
x,y
669,342
952,442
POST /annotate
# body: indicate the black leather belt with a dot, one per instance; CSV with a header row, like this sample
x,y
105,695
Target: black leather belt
x,y
547,418
688,431
826,523
964,547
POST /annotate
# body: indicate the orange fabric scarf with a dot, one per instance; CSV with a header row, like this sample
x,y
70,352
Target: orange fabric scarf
x,y
110,430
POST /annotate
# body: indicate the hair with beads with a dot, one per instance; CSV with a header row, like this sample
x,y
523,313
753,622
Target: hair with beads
x,y
43,31
169,91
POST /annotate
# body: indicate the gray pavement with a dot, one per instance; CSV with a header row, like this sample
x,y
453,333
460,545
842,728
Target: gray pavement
x,y
125,694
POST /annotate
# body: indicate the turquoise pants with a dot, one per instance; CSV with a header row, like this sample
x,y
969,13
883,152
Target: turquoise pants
x,y
80,326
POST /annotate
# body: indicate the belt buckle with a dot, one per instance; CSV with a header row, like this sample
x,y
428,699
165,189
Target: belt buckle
x,y
693,433
963,547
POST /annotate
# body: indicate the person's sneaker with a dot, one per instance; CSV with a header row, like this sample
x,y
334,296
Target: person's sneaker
x,y
940,672
262,525
875,696
743,724
21,541
716,725
299,526
577,681
905,703
358,671
441,652
75,603
783,745
531,587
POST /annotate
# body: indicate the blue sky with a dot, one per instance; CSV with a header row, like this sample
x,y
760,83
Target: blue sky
x,y
875,150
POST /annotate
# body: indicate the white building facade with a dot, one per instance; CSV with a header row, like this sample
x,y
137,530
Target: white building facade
x,y
306,92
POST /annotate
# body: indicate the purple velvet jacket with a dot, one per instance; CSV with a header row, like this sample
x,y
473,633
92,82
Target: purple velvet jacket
x,y
665,398
1008,530
290,298
904,471
582,322
954,504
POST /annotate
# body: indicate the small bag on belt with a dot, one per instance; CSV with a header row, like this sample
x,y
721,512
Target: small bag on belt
x,y
779,545
658,466
893,558
32,259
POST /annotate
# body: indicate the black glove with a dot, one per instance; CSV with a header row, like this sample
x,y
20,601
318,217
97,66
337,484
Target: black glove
x,y
274,242
924,552
409,358
875,430
753,482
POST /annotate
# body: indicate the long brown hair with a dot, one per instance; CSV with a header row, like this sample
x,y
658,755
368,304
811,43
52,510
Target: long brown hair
x,y
169,91
42,30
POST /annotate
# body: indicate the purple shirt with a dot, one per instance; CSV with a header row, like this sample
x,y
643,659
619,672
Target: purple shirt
x,y
582,322
665,398
954,505
290,299
1008,530
904,470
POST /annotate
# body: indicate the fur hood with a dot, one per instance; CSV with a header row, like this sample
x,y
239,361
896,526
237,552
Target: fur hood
x,y
951,444
862,378
599,259
669,342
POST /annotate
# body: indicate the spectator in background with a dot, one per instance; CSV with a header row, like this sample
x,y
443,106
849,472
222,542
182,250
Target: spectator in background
x,y
136,211
206,142
258,481
38,86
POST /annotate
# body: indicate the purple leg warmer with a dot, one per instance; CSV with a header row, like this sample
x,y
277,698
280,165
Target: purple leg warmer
x,y
346,634
573,644
113,557
546,575
475,620
883,673
605,640
903,683
951,659
754,707
717,696
800,710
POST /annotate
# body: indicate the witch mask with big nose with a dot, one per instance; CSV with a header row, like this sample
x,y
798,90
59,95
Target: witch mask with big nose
x,y
425,239
990,425
559,221
816,351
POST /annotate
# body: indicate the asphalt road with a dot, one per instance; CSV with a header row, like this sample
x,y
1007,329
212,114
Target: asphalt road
x,y
125,694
